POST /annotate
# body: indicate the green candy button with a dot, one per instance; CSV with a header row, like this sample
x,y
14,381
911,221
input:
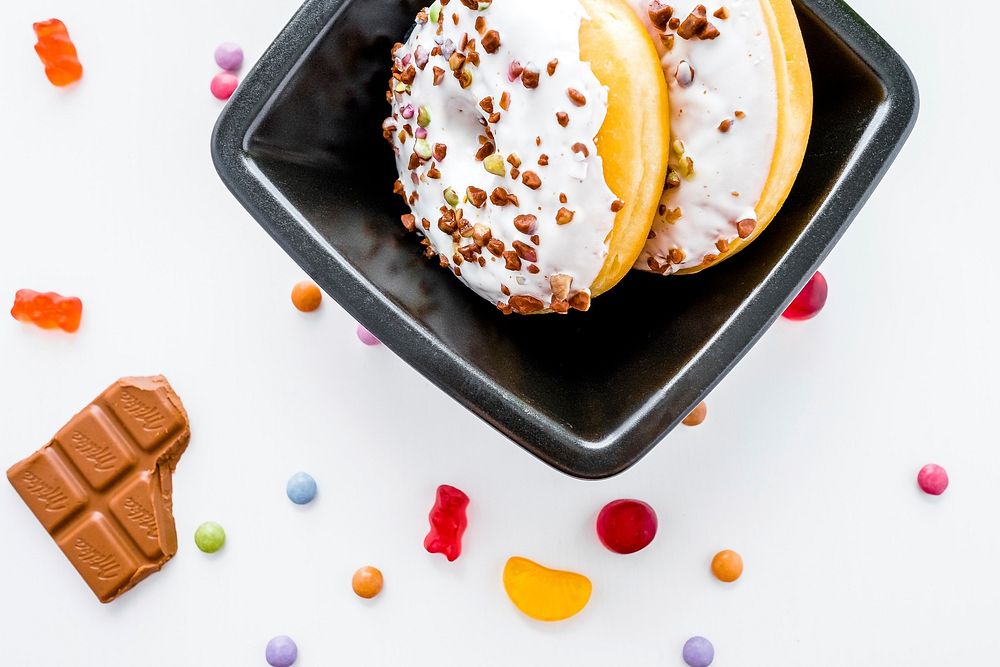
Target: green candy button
x,y
210,537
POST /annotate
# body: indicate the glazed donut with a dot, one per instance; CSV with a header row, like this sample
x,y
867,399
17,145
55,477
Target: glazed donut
x,y
531,145
741,110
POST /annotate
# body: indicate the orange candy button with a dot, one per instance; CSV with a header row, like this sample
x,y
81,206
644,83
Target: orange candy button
x,y
544,594
306,296
367,582
697,415
727,566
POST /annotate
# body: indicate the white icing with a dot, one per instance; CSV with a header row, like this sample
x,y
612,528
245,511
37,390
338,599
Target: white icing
x,y
536,32
733,72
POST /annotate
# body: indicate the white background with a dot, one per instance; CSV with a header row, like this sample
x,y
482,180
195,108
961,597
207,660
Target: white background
x,y
806,464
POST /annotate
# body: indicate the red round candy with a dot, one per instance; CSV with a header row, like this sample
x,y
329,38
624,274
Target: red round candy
x,y
810,300
933,479
626,526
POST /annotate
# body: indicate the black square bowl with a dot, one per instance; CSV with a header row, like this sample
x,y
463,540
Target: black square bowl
x,y
300,145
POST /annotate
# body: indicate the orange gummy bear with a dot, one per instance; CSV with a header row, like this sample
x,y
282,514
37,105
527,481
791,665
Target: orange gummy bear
x,y
57,52
48,311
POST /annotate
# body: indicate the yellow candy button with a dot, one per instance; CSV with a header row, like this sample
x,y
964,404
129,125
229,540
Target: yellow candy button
x,y
544,594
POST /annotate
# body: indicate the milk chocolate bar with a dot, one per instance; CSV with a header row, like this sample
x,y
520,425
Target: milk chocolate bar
x,y
102,486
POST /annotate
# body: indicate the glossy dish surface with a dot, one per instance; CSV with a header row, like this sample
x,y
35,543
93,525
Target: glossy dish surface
x,y
300,146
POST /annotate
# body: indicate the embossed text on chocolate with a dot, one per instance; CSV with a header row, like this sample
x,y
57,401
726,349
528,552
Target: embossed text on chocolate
x,y
52,496
150,416
105,565
100,455
140,515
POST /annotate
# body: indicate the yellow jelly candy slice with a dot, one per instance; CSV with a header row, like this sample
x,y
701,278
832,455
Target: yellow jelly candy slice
x,y
544,594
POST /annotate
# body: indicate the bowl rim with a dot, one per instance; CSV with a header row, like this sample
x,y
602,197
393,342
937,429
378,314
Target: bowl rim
x,y
556,444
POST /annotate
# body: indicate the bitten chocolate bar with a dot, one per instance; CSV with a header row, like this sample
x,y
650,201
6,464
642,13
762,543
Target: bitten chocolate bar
x,y
102,486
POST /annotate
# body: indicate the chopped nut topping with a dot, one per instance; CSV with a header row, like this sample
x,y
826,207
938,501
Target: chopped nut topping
x,y
409,221
433,172
564,216
438,76
486,104
440,152
525,305
504,308
495,246
505,101
530,76
709,258
617,205
560,284
513,262
486,150
668,41
536,240
531,180
551,68
722,245
493,163
746,227
543,160
676,255
563,118
721,13
514,173
514,160
525,223
495,118
525,251
464,77
491,41
533,269
576,96
581,148
659,14
684,74
740,114
481,235
674,23
580,300
480,24
471,4
476,196
505,290
673,180
725,125
456,61
398,189
559,307
499,197
657,266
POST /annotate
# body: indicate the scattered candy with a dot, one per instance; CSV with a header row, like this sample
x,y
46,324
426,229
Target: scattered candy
x,y
448,522
727,566
544,594
210,537
281,652
229,56
57,53
810,300
367,582
223,85
933,479
366,337
698,652
48,311
626,526
306,296
301,488
697,415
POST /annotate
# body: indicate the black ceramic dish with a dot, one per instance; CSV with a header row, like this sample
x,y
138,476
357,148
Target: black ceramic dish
x,y
300,145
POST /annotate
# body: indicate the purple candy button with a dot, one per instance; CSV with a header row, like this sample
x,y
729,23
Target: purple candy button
x,y
698,652
229,56
281,652
366,337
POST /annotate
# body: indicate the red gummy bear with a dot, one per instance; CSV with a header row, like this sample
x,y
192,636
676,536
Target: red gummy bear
x,y
448,522
49,311
57,52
